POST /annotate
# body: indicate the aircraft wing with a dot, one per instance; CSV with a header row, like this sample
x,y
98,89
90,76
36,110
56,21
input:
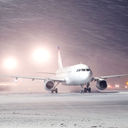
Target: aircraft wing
x,y
34,78
110,76
47,73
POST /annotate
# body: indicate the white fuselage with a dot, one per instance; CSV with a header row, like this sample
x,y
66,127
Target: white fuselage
x,y
75,75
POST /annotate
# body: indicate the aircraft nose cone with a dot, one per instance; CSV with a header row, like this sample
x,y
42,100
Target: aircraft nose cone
x,y
89,75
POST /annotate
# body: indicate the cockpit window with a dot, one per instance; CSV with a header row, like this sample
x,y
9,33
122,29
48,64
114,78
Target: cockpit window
x,y
78,70
87,69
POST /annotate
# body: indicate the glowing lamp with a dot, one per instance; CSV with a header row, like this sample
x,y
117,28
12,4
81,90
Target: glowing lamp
x,y
10,63
109,86
117,86
126,87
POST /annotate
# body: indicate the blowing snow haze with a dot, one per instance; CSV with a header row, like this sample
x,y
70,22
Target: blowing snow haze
x,y
88,31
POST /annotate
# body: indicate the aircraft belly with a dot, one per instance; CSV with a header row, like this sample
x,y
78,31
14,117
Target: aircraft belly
x,y
78,79
75,80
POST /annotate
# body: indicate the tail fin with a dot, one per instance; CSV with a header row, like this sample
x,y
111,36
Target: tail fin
x,y
60,65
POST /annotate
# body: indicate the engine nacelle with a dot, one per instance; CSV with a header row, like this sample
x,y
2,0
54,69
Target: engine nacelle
x,y
49,84
101,84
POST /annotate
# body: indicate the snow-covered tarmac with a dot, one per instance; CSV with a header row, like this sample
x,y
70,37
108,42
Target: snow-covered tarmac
x,y
95,110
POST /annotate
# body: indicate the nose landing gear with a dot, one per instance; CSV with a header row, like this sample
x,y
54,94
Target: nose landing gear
x,y
86,89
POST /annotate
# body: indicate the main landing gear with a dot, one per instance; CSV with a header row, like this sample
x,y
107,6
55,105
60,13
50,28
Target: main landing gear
x,y
55,90
85,90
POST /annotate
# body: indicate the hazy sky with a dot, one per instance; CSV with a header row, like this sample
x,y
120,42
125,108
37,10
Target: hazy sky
x,y
93,32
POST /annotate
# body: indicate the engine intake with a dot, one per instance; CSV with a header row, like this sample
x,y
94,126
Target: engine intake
x,y
49,84
101,84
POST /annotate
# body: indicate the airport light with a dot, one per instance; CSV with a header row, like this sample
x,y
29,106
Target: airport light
x,y
125,86
109,86
10,63
41,55
117,86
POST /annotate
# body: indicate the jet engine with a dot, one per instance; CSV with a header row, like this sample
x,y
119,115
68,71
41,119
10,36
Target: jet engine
x,y
49,84
101,84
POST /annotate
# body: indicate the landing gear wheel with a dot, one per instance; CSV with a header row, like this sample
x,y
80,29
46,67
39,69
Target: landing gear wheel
x,y
82,91
89,90
54,90
85,90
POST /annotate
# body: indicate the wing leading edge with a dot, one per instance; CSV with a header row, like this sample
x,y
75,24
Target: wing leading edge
x,y
110,76
35,78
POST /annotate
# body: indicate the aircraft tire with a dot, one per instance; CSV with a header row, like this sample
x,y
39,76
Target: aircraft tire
x,y
89,90
52,91
85,90
82,91
56,90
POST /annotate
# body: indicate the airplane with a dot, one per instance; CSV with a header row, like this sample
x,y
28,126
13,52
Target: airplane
x,y
76,75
